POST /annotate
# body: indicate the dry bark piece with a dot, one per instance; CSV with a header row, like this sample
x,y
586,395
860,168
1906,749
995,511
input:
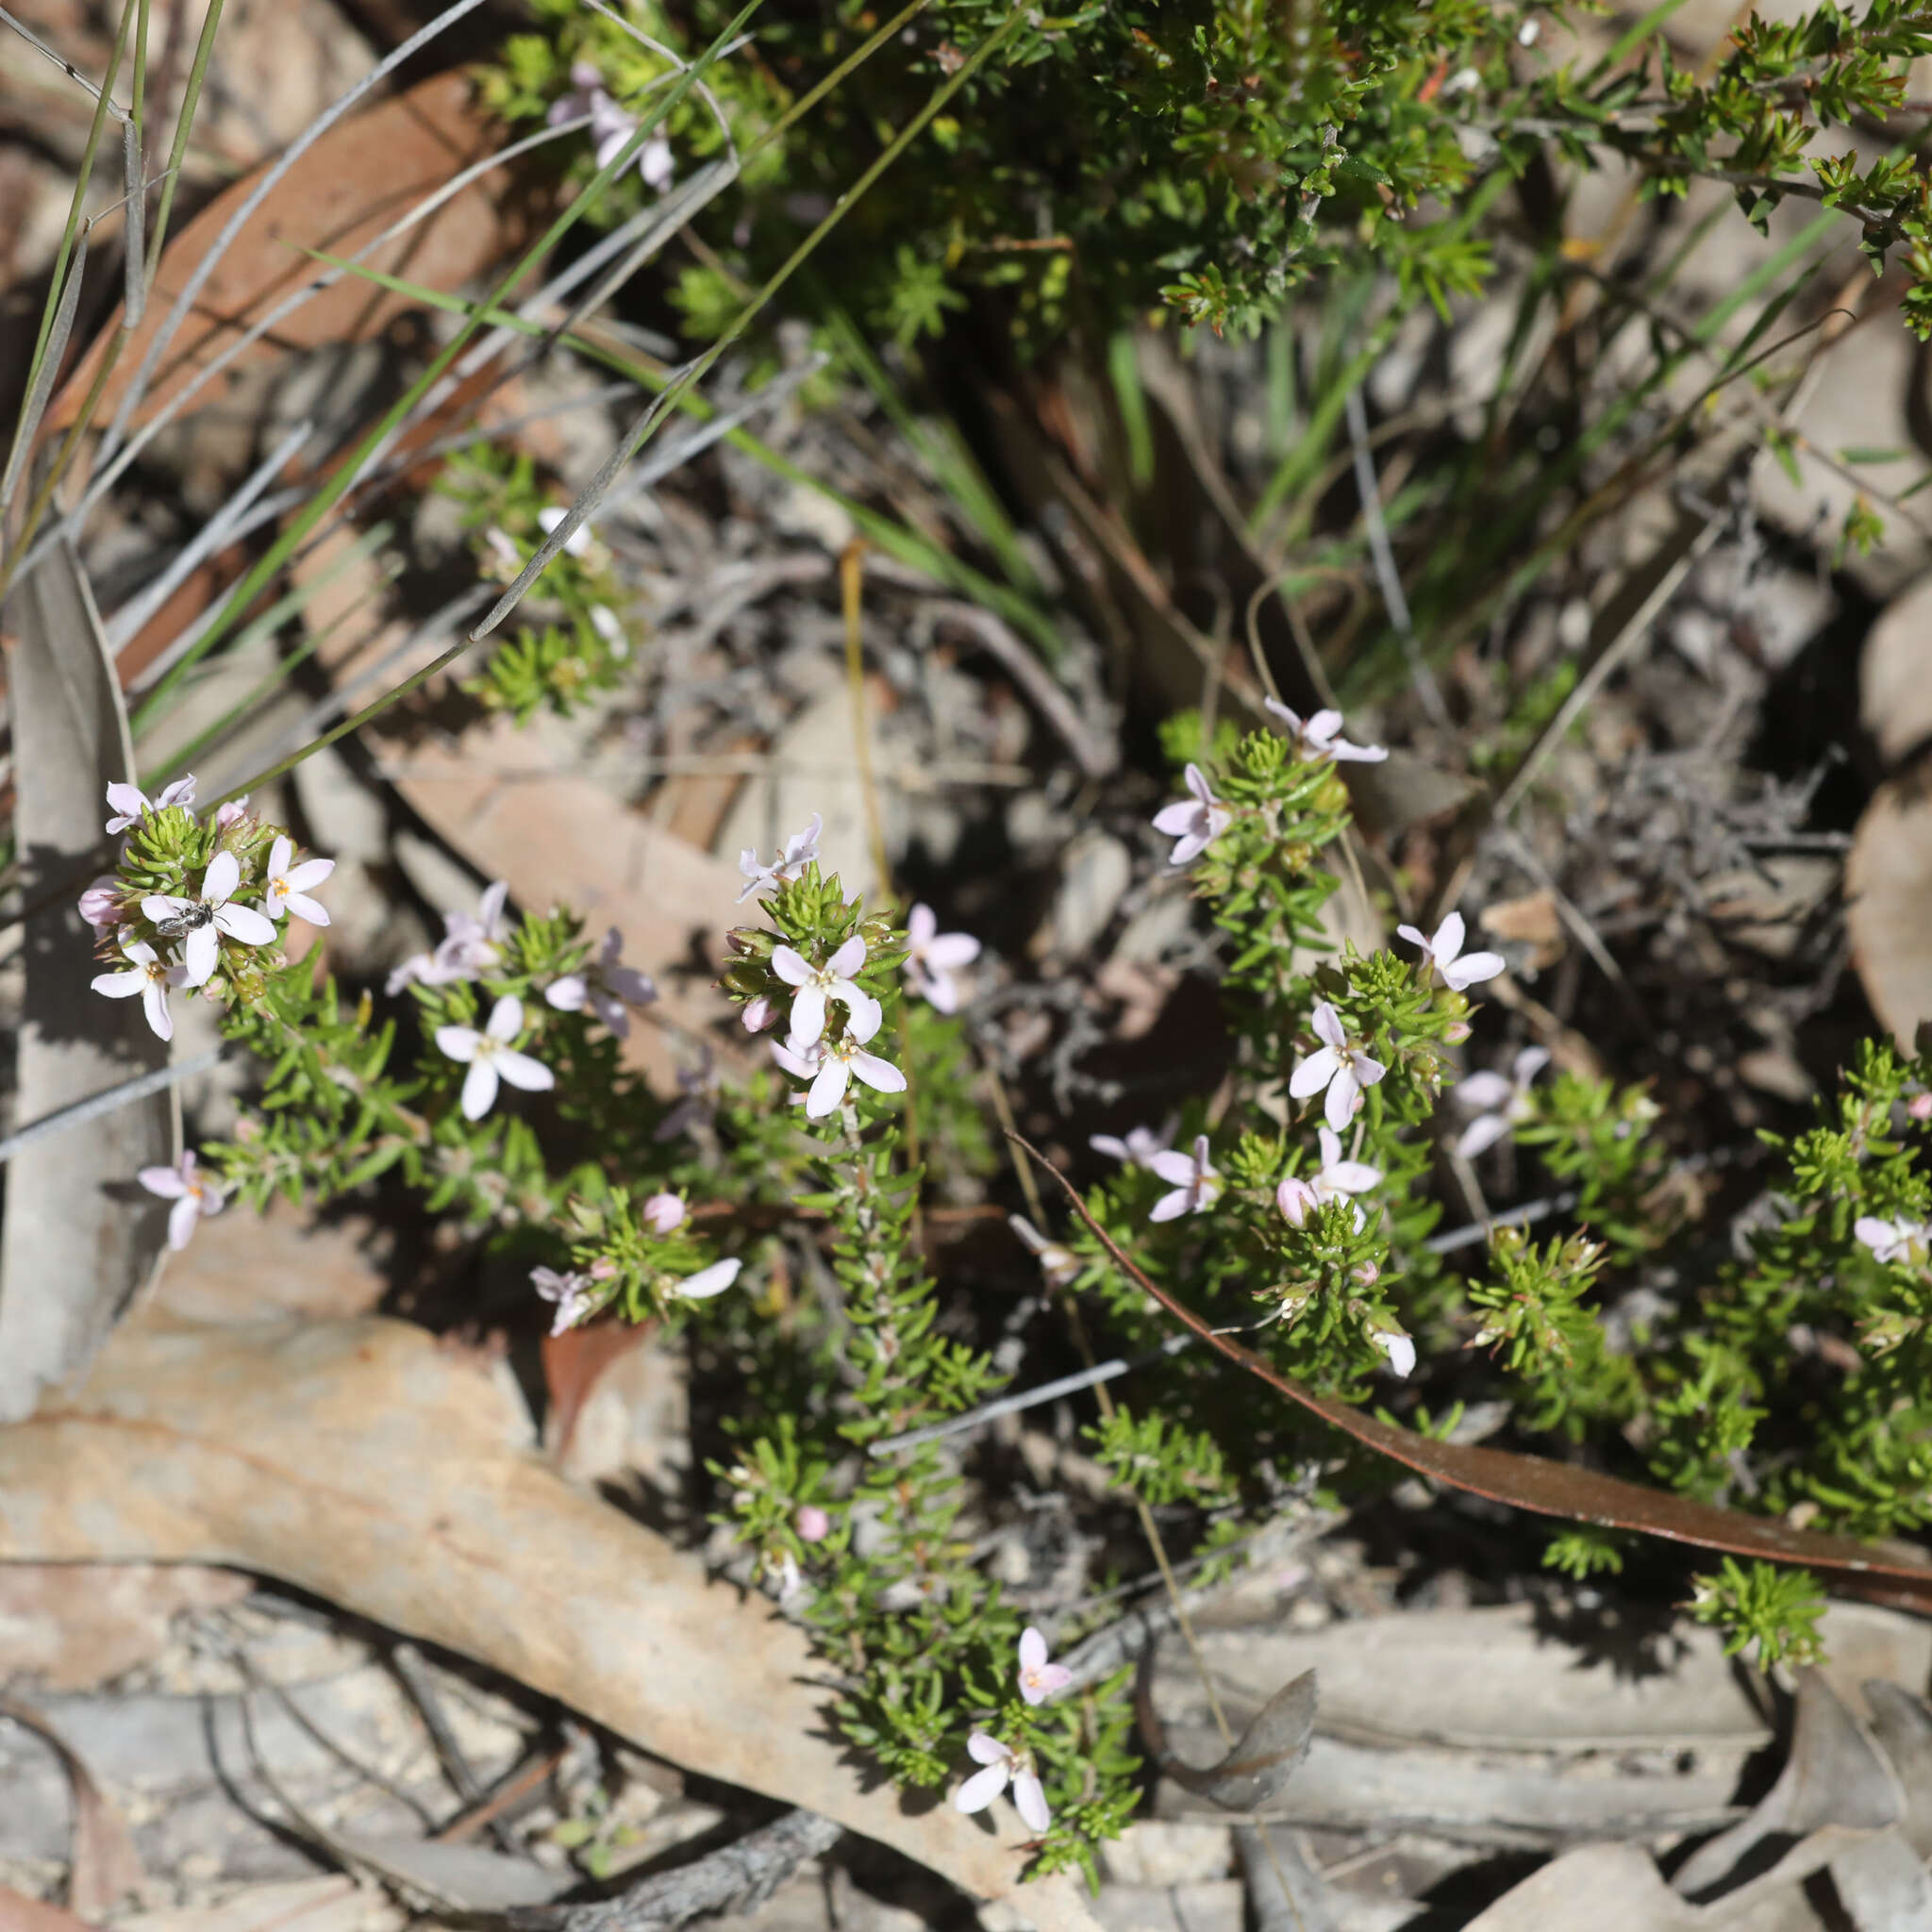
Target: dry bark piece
x,y
1902,1722
360,1460
80,1238
1888,904
357,180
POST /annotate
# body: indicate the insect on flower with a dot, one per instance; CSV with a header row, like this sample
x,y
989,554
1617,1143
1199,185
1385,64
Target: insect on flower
x,y
201,923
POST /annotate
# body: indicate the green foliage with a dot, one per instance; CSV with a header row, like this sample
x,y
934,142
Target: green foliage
x,y
571,643
1759,1605
1207,160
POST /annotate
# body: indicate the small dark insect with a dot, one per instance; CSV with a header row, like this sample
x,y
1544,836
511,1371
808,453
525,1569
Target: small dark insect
x,y
191,918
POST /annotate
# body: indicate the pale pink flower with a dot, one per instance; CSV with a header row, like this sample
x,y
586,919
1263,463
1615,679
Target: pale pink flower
x,y
1918,1107
811,1523
801,849
833,1064
572,1293
1894,1241
1445,952
1193,825
1039,1679
1314,738
201,923
151,976
1398,1348
1335,1179
1138,1148
832,981
129,802
1003,1765
287,885
1343,1070
233,813
1195,1184
100,905
606,985
709,1281
1501,1102
933,956
470,945
1057,1262
664,1213
610,125
491,1057
193,1195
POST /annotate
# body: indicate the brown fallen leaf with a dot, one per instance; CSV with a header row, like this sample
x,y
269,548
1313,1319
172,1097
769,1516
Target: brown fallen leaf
x,y
1535,1483
362,1461
357,180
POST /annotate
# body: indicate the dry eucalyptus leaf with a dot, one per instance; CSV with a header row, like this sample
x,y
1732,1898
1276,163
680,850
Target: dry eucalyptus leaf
x,y
1902,1722
74,1625
1616,1889
358,179
1835,1775
79,1238
360,1460
1895,674
1883,1887
1252,1771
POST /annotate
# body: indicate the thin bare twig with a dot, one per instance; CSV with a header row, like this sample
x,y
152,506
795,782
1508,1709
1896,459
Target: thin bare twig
x,y
736,1876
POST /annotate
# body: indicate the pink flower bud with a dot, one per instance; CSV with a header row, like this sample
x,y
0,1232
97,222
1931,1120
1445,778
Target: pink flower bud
x,y
100,905
759,1013
1456,1032
1919,1105
603,1269
664,1212
232,813
811,1523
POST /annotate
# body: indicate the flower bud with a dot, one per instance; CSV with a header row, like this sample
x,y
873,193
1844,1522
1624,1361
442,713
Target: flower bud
x,y
1919,1106
811,1523
664,1213
100,905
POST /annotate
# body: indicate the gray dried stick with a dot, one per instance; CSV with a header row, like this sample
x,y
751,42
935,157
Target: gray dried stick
x,y
739,1876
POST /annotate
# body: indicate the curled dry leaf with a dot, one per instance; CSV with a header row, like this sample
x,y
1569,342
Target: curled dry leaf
x,y
359,178
1535,1483
1256,1767
1888,904
362,1461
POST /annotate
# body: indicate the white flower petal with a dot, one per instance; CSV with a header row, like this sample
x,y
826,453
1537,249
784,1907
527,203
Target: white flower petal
x,y
1481,1135
244,924
506,1018
201,952
981,1788
223,875
1449,936
1029,1800
303,907
181,1219
459,1043
1172,1207
1314,1073
864,1013
709,1281
154,1003
882,1076
1469,968
1340,1105
848,958
788,963
479,1087
808,1015
519,1070
1327,1024
827,1090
